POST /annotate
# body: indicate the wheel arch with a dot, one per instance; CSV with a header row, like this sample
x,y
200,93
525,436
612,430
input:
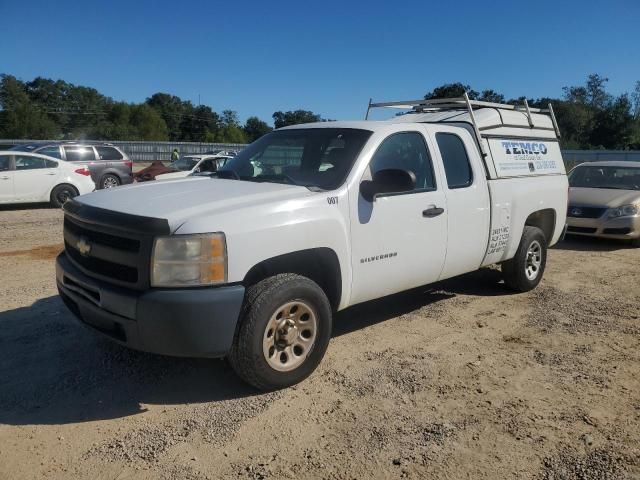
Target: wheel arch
x,y
318,264
545,220
65,184
61,184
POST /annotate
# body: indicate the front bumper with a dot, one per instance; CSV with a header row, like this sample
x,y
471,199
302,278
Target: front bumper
x,y
622,228
190,322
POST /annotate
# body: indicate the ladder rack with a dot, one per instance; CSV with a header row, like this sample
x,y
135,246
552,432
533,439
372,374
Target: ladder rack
x,y
464,103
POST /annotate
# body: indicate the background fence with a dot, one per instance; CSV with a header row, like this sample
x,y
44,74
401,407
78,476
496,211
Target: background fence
x,y
149,151
574,157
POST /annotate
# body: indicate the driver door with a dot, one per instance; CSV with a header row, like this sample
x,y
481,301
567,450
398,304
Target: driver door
x,y
399,240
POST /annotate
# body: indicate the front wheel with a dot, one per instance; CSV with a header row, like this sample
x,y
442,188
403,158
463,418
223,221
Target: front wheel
x,y
524,271
61,193
284,332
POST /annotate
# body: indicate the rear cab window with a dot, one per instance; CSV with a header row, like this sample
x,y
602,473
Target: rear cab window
x,y
455,159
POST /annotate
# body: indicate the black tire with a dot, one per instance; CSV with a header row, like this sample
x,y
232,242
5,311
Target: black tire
x,y
62,193
109,181
518,272
635,243
261,305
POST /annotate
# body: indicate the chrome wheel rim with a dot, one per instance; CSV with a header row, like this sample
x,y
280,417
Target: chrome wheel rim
x,y
289,336
533,261
109,182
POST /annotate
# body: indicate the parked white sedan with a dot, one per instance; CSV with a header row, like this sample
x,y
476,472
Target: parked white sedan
x,y
31,177
192,164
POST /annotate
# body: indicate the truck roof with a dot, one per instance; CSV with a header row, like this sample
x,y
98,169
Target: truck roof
x,y
490,121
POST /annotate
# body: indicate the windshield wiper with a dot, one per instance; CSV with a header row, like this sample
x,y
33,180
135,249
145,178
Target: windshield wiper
x,y
226,174
274,178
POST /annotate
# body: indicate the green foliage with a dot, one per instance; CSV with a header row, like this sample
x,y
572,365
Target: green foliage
x,y
254,128
451,90
588,116
230,130
284,119
55,109
20,117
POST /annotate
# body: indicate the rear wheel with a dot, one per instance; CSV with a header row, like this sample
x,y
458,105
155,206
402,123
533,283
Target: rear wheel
x,y
284,332
525,270
62,193
109,181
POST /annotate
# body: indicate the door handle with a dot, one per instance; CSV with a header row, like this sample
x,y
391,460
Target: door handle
x,y
432,212
5,178
51,173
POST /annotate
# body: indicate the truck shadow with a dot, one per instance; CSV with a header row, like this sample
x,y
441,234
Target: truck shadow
x,y
55,371
577,243
25,206
484,282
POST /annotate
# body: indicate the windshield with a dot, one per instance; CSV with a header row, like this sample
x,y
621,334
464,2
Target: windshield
x,y
310,157
618,178
185,164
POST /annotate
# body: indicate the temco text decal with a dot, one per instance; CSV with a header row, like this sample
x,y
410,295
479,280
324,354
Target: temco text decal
x,y
515,158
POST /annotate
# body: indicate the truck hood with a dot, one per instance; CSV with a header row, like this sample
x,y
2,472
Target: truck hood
x,y
169,176
605,197
178,200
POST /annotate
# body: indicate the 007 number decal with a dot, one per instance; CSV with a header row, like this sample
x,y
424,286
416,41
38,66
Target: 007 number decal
x,y
332,200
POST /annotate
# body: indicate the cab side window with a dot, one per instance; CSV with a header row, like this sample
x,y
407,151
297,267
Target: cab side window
x,y
456,162
406,151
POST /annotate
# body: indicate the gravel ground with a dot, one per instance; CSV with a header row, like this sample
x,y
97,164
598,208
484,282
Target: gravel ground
x,y
459,380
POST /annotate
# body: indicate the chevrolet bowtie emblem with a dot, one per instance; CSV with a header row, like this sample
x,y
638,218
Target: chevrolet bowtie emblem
x,y
83,246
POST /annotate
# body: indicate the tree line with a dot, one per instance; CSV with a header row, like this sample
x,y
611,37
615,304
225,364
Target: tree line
x,y
588,116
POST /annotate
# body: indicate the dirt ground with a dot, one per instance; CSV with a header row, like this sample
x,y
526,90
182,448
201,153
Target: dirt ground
x,y
459,380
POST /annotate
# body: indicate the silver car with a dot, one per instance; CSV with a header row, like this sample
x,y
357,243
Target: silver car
x,y
604,200
109,166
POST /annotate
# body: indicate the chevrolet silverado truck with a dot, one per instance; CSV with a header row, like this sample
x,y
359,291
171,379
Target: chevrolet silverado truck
x,y
252,262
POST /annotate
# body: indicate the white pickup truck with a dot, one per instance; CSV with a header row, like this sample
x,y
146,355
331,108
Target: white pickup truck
x,y
251,263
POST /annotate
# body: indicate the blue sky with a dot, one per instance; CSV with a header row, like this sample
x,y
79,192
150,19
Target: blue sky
x,y
328,56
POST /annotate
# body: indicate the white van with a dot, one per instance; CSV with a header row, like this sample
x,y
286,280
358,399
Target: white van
x,y
251,263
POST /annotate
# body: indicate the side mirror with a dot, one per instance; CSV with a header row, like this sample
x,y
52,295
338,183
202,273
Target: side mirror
x,y
392,180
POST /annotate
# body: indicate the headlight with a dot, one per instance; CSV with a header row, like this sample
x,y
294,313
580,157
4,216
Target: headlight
x,y
624,211
189,260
